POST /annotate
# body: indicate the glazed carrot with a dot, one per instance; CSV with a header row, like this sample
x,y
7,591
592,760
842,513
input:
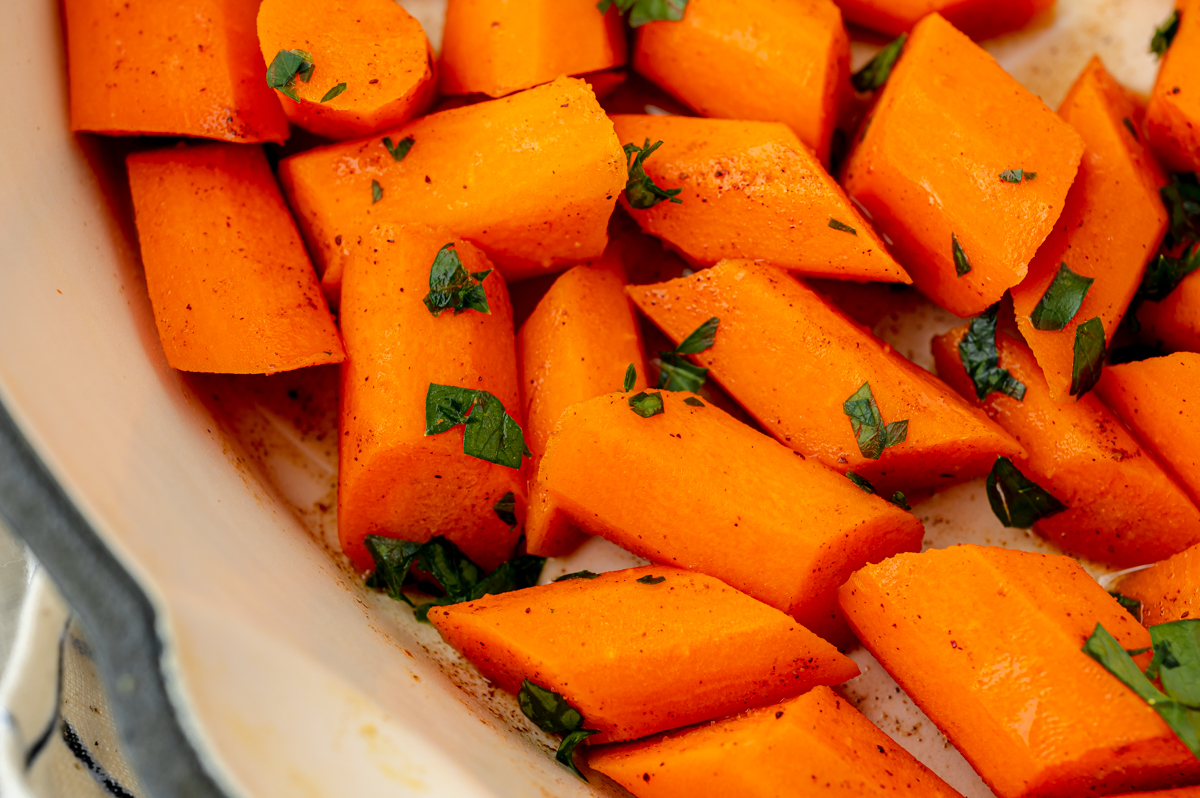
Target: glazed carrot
x,y
1111,226
793,360
393,479
818,740
772,60
988,642
372,50
232,289
1181,792
495,47
1173,115
1168,590
192,68
643,650
949,122
1159,399
1124,509
979,19
752,190
1173,324
531,179
695,488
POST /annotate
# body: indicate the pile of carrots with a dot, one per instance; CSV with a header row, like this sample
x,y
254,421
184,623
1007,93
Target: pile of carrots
x,y
764,455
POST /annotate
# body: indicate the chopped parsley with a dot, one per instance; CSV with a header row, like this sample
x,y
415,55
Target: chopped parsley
x,y
866,422
979,356
1017,500
376,192
650,579
676,372
452,286
285,67
1131,605
630,378
553,714
845,228
506,509
400,148
576,575
879,69
961,264
897,499
1062,299
640,190
1164,35
693,401
490,433
335,91
1012,175
647,404
1164,274
1182,198
1132,130
1089,356
639,12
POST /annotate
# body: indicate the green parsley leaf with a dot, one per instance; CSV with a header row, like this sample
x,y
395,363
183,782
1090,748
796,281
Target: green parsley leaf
x,y
961,264
630,378
506,509
1164,274
647,404
979,356
335,91
867,424
284,69
693,401
392,559
639,12
1012,175
700,339
553,714
640,190
566,750
650,579
1089,356
491,434
1182,198
1132,130
1179,668
400,149
376,192
576,575
879,69
1062,299
451,286
679,374
1030,176
1164,34
1131,605
845,228
897,499
1017,500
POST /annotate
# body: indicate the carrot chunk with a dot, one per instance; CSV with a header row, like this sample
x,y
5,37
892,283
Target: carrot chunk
x,y
752,190
1168,590
692,487
643,650
1124,509
1159,399
1181,792
771,60
496,47
793,361
1173,324
393,478
1111,226
193,69
1173,115
818,740
988,642
372,66
979,19
232,288
457,169
935,165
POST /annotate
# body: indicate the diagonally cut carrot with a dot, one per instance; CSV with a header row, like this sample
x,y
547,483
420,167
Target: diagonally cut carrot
x,y
1173,116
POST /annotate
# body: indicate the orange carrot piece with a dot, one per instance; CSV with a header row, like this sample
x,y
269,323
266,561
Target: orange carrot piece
x,y
463,172
1173,115
496,47
792,359
393,479
1111,226
752,190
818,740
373,47
948,123
640,657
771,60
979,19
1125,510
1180,792
988,642
1173,324
1168,590
192,68
1159,399
232,288
693,487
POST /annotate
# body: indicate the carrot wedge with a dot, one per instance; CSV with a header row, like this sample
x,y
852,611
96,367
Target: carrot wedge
x,y
554,141
232,288
192,68
1123,508
766,60
495,47
793,361
1168,590
393,478
988,642
1173,115
1173,324
979,19
758,755
1118,180
752,190
642,650
936,166
693,487
372,64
